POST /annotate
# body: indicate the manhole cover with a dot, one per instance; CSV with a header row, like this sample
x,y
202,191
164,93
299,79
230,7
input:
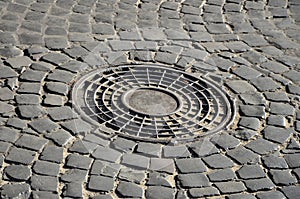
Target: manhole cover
x,y
152,102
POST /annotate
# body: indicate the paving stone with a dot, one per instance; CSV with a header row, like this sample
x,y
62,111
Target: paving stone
x,y
135,161
43,125
253,111
44,183
53,100
100,183
250,123
44,194
121,45
18,62
195,53
22,156
30,111
243,155
193,180
281,109
83,147
8,134
74,66
276,134
239,86
246,72
275,67
106,154
259,184
204,192
42,66
193,165
105,169
251,172
225,141
6,72
10,51
60,137
31,142
28,99
55,58
78,161
293,160
265,84
34,88
52,154
175,151
274,162
56,43
293,89
46,168
77,126
221,175
131,175
75,175
204,148
262,146
17,172
168,58
293,75
4,147
5,108
57,87
61,76
107,196
159,192
95,138
149,149
218,161
123,144
158,179
237,46
162,165
55,30
230,187
76,51
73,190
62,113
31,39
153,34
127,189
291,191
270,194
277,120
16,123
282,177
15,191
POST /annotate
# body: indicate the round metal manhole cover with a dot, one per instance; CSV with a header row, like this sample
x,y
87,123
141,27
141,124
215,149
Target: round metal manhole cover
x,y
152,102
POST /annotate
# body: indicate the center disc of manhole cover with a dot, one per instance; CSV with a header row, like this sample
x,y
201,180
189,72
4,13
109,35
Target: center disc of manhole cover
x,y
152,103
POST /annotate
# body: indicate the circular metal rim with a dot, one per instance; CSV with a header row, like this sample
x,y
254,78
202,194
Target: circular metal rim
x,y
228,120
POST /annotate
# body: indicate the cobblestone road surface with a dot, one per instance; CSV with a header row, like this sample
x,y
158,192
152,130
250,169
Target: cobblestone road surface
x,y
251,48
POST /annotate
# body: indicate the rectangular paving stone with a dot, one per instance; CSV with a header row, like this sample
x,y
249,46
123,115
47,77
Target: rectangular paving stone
x,y
193,180
259,184
100,183
253,111
106,154
78,161
242,155
52,153
22,156
190,165
230,187
293,160
44,183
74,175
262,146
162,165
32,142
203,192
222,175
218,161
136,161
8,134
175,151
46,168
43,125
251,172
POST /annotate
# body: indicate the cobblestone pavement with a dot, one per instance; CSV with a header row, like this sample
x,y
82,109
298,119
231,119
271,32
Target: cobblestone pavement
x,y
251,47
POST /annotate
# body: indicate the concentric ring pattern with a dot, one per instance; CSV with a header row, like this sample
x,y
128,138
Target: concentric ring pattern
x,y
200,107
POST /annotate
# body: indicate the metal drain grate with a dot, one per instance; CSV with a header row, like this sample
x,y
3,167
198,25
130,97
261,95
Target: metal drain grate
x,y
152,102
